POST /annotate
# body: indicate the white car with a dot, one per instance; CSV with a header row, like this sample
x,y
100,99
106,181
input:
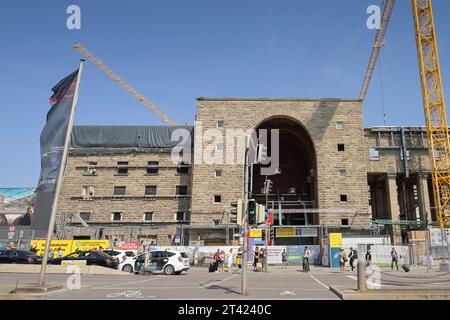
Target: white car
x,y
125,257
168,262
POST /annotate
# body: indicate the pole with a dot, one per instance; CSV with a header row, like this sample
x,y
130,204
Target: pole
x,y
60,178
267,227
361,276
244,224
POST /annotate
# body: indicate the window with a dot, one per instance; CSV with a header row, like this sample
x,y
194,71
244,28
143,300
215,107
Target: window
x,y
216,222
342,173
88,192
150,190
339,124
217,198
341,147
218,173
148,216
221,124
119,191
344,222
181,216
86,216
374,154
152,167
91,168
343,198
182,168
181,190
116,216
122,167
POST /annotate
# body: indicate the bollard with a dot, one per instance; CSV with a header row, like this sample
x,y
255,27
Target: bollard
x,y
362,286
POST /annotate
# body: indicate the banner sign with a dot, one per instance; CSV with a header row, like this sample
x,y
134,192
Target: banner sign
x,y
288,232
256,233
335,240
69,246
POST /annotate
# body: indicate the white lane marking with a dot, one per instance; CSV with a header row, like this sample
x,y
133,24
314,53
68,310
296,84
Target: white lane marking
x,y
319,282
352,277
285,293
216,283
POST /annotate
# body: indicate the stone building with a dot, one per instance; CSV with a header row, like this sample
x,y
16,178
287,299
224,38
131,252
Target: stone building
x,y
333,175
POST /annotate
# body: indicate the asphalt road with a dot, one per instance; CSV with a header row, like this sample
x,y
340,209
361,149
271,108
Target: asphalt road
x,y
200,284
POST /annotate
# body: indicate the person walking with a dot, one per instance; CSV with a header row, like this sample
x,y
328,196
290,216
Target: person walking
x,y
306,256
394,257
239,258
216,260
353,255
342,260
222,261
255,257
369,258
284,259
262,258
229,260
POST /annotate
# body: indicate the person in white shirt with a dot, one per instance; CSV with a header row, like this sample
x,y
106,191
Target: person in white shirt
x,y
306,256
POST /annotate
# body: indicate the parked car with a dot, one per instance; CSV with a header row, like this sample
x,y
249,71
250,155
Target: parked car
x,y
125,258
19,256
168,262
91,257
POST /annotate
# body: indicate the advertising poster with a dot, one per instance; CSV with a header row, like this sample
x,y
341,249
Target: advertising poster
x,y
55,245
274,254
295,254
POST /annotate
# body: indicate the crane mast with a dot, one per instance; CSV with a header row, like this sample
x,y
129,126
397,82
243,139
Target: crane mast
x,y
123,84
434,107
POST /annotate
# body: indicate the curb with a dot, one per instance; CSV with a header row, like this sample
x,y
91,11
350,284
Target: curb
x,y
405,294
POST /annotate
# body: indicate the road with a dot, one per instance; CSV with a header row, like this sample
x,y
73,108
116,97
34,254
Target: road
x,y
199,284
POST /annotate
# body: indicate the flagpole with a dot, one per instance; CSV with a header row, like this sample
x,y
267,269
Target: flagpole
x,y
60,178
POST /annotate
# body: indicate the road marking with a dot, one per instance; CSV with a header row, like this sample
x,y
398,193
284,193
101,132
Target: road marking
x,y
216,283
319,282
352,277
127,283
284,293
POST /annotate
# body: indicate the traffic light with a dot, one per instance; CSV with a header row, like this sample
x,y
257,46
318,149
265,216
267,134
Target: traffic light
x,y
267,186
252,208
238,211
260,214
272,234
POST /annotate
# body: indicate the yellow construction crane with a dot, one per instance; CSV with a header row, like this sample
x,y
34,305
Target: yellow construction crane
x,y
123,84
434,107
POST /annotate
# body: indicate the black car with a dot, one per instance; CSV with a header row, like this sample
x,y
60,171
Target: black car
x,y
19,256
98,258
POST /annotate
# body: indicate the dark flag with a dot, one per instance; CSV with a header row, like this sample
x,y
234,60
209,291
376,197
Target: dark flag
x,y
53,138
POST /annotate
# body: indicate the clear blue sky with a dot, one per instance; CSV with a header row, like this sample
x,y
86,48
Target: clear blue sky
x,y
176,50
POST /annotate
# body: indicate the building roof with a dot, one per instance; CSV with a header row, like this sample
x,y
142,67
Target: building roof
x,y
127,139
276,99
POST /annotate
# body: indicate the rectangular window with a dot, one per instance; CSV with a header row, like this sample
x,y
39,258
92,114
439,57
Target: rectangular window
x,y
148,216
218,173
116,216
339,124
88,192
221,124
216,222
182,169
150,190
344,222
343,198
181,190
341,147
181,216
119,191
122,167
86,216
152,167
342,173
374,155
91,168
217,198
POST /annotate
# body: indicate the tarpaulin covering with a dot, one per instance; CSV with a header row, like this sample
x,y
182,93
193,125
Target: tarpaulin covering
x,y
126,139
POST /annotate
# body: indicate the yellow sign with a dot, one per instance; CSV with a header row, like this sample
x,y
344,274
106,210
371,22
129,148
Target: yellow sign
x,y
55,245
89,245
285,232
335,240
69,246
256,233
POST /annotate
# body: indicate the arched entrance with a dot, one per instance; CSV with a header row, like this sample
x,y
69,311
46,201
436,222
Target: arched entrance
x,y
294,190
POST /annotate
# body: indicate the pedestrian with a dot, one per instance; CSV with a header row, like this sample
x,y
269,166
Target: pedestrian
x,y
262,258
342,260
394,257
60,253
217,260
222,261
369,258
306,256
229,260
26,219
284,259
51,254
353,255
255,258
239,258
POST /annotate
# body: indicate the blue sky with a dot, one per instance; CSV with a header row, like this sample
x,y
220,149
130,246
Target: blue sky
x,y
176,50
